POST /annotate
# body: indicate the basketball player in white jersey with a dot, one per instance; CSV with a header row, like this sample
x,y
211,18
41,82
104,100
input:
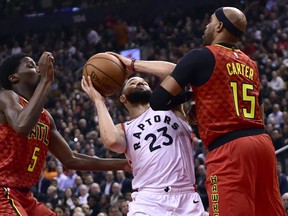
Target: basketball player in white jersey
x,y
158,146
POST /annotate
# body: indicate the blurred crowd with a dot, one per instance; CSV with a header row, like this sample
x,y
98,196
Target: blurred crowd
x,y
18,8
168,37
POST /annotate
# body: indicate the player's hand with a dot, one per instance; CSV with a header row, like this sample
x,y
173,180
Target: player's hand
x,y
126,61
46,66
90,90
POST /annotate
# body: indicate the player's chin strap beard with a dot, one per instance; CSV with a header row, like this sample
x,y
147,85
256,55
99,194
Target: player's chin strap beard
x,y
219,13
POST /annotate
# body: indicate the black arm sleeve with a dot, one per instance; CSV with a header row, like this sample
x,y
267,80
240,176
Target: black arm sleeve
x,y
163,100
195,68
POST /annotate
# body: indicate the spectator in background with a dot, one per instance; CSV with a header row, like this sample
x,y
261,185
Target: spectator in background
x,y
116,194
78,211
69,199
106,186
125,183
104,203
277,83
265,86
70,181
285,202
94,204
275,117
78,183
102,214
50,171
61,177
88,179
282,179
16,48
114,211
95,190
93,37
52,196
86,209
59,210
83,194
124,207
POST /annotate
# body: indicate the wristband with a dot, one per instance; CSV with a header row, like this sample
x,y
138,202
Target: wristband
x,y
132,65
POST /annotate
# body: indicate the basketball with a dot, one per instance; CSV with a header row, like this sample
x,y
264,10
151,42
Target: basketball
x,y
107,73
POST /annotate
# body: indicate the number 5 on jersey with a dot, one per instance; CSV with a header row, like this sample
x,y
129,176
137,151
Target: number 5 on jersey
x,y
34,159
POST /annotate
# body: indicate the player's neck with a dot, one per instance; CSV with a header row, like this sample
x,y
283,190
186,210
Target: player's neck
x,y
137,110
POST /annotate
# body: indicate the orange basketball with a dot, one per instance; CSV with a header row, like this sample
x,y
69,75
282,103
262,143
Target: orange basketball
x,y
107,73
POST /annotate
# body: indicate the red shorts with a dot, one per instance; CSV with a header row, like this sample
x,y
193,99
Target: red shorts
x,y
15,202
242,180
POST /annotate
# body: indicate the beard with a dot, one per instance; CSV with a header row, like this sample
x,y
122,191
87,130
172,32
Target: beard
x,y
139,97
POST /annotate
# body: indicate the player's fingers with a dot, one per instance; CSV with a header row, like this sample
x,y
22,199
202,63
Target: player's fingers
x,y
113,53
89,81
83,83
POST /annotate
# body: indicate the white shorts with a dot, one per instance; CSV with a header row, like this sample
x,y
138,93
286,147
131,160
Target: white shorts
x,y
166,201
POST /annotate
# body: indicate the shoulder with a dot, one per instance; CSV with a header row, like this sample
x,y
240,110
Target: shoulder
x,y
179,112
8,98
203,52
52,122
197,59
8,93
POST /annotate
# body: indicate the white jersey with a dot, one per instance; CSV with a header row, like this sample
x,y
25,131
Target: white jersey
x,y
160,148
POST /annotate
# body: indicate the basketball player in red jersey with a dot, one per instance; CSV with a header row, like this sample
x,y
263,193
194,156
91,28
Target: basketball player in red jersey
x,y
27,132
241,162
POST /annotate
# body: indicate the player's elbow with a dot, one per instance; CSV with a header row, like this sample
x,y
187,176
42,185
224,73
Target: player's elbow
x,y
160,99
155,105
70,161
114,144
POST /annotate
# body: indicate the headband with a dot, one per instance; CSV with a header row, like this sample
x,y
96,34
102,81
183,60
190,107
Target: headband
x,y
227,24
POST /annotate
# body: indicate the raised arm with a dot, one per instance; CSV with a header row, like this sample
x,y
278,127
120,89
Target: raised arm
x,y
113,137
158,68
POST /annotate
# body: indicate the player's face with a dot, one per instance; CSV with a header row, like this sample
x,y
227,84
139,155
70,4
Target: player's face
x,y
28,72
209,32
137,90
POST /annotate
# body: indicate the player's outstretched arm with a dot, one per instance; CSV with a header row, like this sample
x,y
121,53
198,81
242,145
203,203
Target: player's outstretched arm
x,y
158,68
112,137
72,160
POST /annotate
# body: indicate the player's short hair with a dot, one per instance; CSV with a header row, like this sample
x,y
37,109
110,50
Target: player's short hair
x,y
9,66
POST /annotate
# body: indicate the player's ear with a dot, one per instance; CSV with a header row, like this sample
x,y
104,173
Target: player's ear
x,y
122,98
13,78
219,27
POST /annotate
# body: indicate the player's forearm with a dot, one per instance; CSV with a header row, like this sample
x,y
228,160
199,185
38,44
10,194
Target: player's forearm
x,y
85,162
29,116
108,131
157,68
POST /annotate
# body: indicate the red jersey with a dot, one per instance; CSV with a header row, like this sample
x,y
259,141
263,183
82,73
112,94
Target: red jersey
x,y
22,157
228,101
